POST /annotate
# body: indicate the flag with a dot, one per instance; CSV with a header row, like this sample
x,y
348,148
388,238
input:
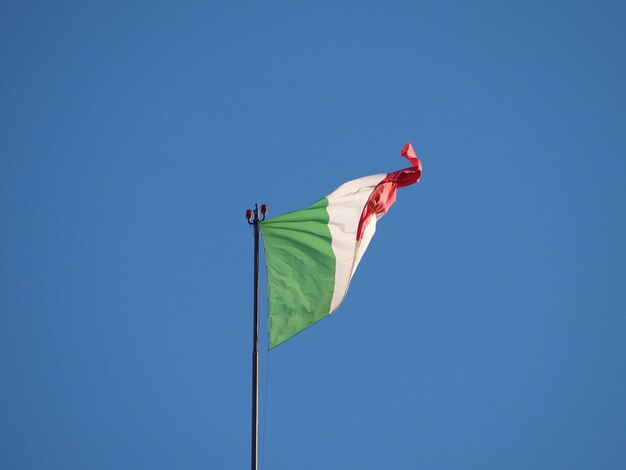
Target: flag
x,y
312,254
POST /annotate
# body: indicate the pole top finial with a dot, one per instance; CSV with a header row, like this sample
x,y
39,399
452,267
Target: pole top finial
x,y
252,216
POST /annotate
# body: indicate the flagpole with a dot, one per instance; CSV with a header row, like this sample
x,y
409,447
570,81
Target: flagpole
x,y
253,219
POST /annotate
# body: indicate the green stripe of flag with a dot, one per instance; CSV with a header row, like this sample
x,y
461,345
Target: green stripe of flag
x,y
300,270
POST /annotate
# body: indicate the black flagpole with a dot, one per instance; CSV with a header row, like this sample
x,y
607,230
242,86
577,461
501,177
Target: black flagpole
x,y
253,219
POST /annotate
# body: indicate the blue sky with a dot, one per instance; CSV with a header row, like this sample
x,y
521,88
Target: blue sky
x,y
486,326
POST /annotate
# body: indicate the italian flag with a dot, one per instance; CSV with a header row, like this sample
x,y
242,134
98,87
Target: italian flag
x,y
312,254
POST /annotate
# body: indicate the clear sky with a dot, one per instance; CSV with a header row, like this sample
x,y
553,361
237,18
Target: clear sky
x,y
486,325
